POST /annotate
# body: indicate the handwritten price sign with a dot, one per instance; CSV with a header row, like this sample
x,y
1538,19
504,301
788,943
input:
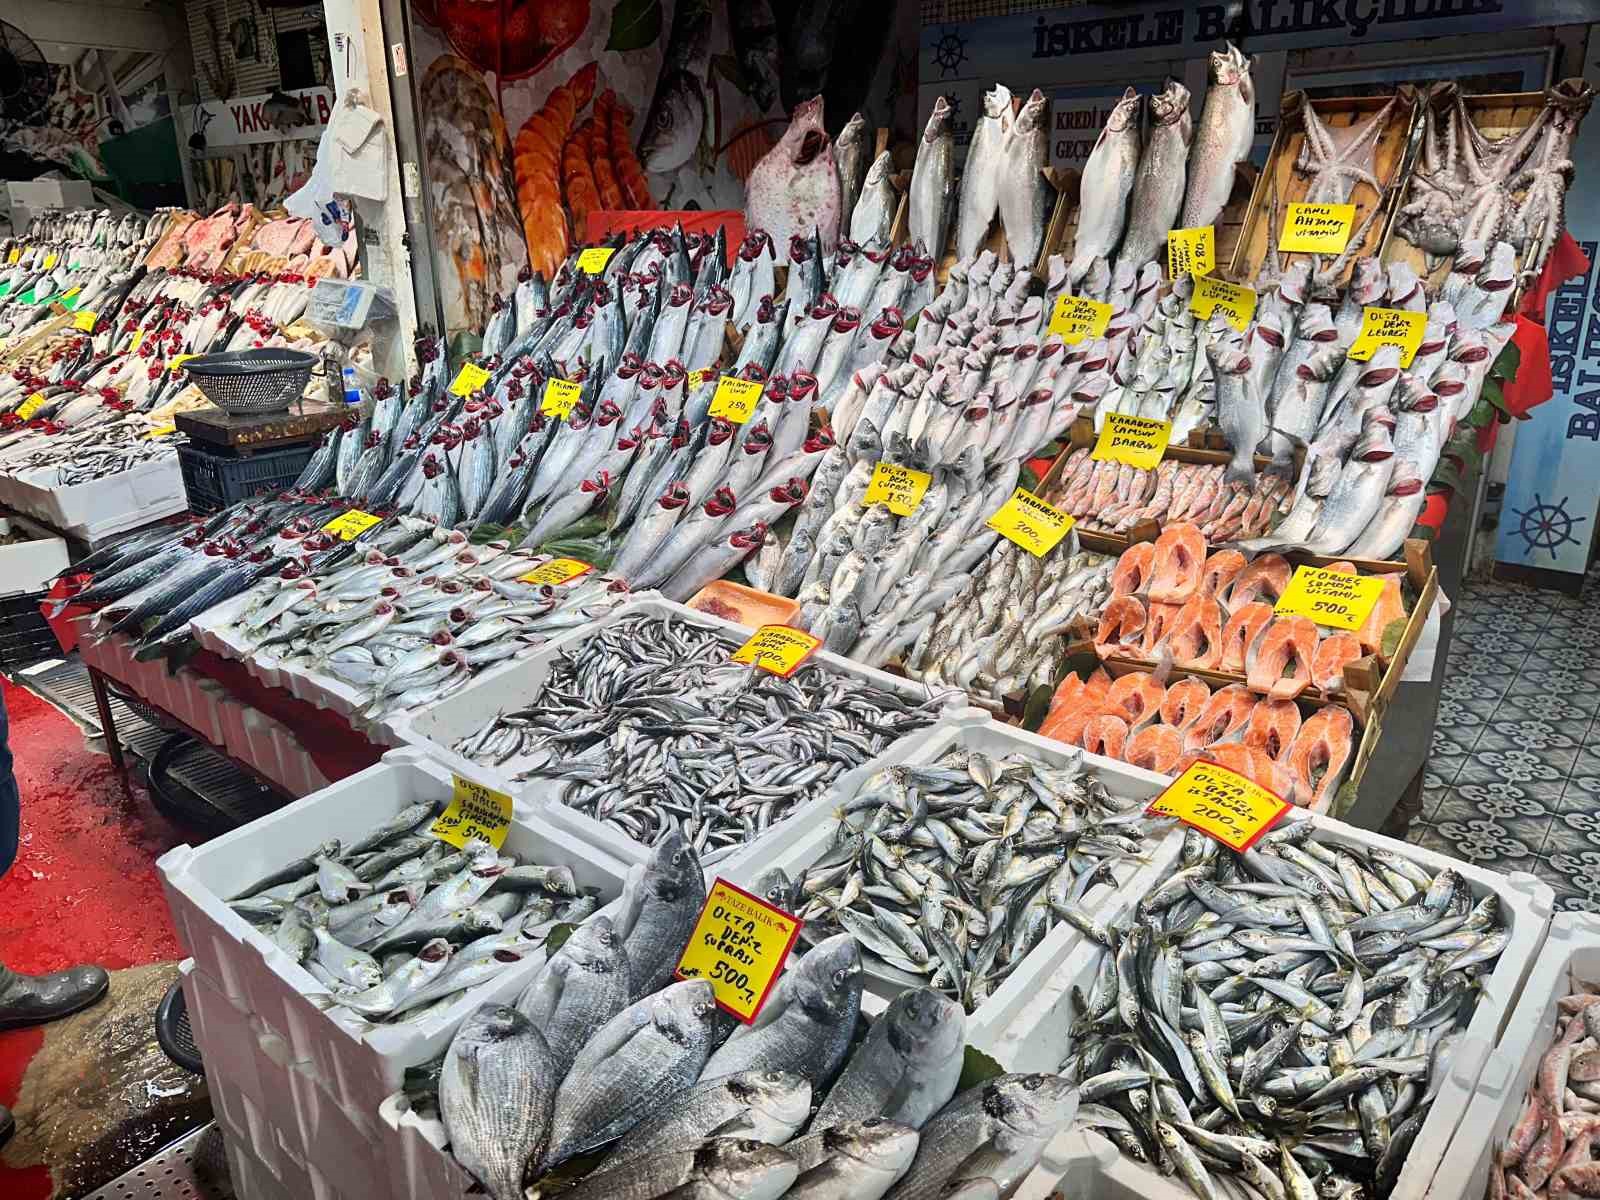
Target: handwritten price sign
x,y
475,812
900,488
1234,810
1137,441
1075,318
1337,599
1389,327
1031,523
735,399
555,572
1317,228
469,379
1237,302
1191,252
739,943
351,525
560,398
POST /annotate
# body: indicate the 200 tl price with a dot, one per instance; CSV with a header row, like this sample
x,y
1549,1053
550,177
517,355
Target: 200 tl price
x,y
1219,816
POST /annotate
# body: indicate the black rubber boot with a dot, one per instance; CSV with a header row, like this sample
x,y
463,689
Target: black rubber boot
x,y
8,1126
35,999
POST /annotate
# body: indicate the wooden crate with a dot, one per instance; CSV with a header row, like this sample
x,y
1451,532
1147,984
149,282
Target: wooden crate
x,y
1499,115
1392,159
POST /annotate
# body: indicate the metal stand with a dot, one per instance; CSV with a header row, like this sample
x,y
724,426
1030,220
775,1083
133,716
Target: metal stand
x,y
192,1168
108,728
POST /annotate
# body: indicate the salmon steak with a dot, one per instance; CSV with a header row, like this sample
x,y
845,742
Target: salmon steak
x,y
1390,607
1195,635
1136,694
1321,754
1179,558
1263,578
1241,631
1278,663
1158,623
1272,728
1219,571
1104,735
1184,701
1327,665
1225,714
1131,575
1155,747
1120,626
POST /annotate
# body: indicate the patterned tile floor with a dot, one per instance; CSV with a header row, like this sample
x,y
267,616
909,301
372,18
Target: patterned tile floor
x,y
1514,778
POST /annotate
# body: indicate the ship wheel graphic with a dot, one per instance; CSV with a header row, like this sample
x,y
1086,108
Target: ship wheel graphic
x,y
949,52
1547,526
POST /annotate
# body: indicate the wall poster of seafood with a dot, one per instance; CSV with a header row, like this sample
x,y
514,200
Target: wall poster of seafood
x,y
533,114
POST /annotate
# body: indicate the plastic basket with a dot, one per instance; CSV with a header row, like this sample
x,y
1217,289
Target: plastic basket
x,y
25,637
214,481
252,381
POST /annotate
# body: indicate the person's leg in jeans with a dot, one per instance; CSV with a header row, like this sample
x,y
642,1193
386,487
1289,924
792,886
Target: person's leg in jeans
x,y
32,999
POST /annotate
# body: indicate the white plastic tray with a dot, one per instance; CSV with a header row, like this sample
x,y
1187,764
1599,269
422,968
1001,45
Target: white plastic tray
x,y
1092,1166
359,1068
1571,955
987,1027
128,499
436,729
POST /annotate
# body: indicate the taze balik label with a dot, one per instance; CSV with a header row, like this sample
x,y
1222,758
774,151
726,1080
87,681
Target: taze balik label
x,y
739,944
1317,228
1031,523
475,811
1216,801
1191,251
1337,599
1137,441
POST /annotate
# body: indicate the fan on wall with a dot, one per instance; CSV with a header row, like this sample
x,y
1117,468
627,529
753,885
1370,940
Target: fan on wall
x,y
25,79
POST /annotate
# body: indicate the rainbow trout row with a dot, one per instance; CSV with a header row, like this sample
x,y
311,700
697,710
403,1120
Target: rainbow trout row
x,y
648,726
1278,1023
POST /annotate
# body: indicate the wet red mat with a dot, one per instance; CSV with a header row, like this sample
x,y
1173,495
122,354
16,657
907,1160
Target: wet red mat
x,y
84,887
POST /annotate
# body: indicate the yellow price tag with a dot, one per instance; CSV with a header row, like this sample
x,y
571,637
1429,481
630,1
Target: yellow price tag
x,y
178,360
1031,523
735,399
475,812
1337,599
1075,318
85,321
556,571
779,649
469,379
164,430
50,260
69,298
1137,441
138,337
352,524
1237,302
560,398
1389,327
1216,801
593,260
698,379
1191,251
31,405
900,488
16,253
1317,228
739,945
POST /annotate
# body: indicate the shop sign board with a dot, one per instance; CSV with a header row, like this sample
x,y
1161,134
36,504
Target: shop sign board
x,y
243,121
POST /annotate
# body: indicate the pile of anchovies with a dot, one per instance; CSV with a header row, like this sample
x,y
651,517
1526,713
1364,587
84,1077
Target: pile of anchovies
x,y
962,866
647,726
396,923
1277,1024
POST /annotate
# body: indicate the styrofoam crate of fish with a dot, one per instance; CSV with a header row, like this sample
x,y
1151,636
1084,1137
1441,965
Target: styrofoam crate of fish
x,y
437,728
250,1177
1569,959
109,504
986,1026
360,1064
1040,1033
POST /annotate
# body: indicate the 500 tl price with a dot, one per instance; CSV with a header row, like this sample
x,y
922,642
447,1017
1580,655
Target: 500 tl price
x,y
1333,608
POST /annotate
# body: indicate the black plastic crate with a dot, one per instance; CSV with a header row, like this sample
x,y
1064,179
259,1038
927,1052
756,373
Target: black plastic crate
x,y
25,636
214,481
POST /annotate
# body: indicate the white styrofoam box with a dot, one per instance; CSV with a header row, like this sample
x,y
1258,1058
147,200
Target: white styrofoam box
x,y
359,1064
1570,958
437,728
110,504
1095,1167
988,1026
222,1030
27,566
297,770
420,1168
251,1178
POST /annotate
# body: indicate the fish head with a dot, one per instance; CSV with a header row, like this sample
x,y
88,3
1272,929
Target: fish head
x,y
1124,113
854,130
997,102
781,1096
492,1023
829,977
1033,1105
938,120
882,1146
882,167
776,888
924,1022
673,869
684,1011
744,1167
